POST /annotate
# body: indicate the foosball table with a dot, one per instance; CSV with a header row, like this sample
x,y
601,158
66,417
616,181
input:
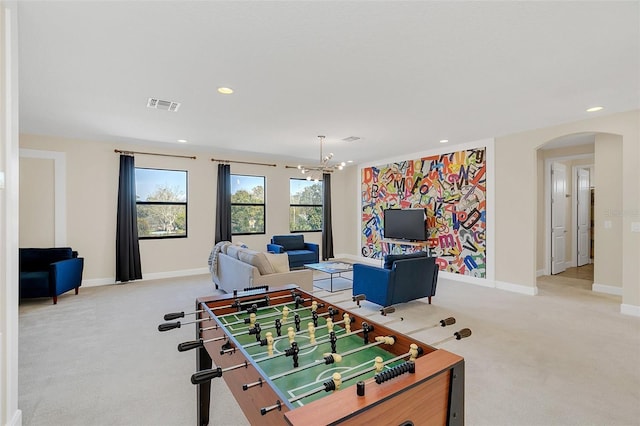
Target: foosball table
x,y
290,358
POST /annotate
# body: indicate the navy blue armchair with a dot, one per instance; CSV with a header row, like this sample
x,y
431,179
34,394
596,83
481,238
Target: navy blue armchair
x,y
404,278
49,272
300,253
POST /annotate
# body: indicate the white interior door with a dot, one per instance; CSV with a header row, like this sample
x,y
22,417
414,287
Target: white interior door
x,y
558,211
584,201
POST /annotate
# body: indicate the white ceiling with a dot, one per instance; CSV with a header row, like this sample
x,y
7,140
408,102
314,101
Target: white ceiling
x,y
399,75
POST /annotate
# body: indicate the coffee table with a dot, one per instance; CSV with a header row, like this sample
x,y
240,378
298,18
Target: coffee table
x,y
332,268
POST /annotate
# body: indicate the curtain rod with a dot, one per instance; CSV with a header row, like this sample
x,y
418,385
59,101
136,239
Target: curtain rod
x,y
243,162
153,153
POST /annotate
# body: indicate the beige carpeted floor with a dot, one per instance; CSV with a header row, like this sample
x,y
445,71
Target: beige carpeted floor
x,y
564,357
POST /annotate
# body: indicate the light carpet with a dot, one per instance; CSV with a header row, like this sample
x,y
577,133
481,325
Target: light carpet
x,y
564,357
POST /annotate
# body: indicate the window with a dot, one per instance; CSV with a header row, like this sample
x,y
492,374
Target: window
x,y
161,201
247,205
305,205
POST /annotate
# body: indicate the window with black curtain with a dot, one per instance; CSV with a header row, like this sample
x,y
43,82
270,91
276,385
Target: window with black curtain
x,y
161,202
247,204
305,205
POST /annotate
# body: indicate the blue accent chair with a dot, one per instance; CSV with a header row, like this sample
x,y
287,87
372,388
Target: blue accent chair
x,y
300,253
404,278
49,272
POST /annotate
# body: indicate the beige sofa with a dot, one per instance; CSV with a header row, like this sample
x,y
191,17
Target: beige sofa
x,y
235,267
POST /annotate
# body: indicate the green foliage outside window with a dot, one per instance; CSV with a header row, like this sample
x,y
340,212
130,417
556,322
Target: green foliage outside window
x,y
305,210
161,202
247,205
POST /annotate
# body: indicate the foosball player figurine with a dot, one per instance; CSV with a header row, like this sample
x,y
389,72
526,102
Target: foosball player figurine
x,y
333,339
252,319
366,328
332,312
296,320
291,334
314,306
377,364
293,352
312,333
334,383
413,351
256,330
314,318
285,313
298,301
279,327
329,325
347,322
269,343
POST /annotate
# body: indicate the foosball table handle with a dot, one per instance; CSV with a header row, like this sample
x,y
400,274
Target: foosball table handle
x,y
187,346
206,375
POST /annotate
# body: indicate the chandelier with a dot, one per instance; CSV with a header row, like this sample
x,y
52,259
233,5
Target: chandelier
x,y
315,172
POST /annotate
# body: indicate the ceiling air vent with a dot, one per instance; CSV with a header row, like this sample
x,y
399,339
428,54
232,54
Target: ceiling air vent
x,y
164,105
351,139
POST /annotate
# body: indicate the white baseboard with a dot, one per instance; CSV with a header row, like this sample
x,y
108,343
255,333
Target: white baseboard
x,y
607,289
466,279
632,310
517,288
16,420
150,276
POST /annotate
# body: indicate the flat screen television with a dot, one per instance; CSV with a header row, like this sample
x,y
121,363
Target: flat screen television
x,y
405,224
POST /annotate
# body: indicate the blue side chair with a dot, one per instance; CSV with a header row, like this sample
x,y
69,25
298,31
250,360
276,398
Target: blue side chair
x,y
49,272
404,278
300,253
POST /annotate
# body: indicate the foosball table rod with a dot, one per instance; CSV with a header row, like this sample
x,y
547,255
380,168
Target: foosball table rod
x,y
171,325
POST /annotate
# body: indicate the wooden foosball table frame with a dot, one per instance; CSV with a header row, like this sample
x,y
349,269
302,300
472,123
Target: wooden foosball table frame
x,y
432,395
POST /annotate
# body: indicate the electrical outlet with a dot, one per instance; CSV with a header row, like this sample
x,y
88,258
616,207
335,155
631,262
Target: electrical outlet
x,y
608,224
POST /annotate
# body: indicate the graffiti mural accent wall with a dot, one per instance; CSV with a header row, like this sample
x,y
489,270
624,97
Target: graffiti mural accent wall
x,y
452,189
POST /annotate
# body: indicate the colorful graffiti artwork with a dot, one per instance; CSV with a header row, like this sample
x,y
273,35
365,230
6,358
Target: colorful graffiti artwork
x,y
451,187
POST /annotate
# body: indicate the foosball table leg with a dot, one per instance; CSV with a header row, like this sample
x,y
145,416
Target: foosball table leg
x,y
203,361
456,396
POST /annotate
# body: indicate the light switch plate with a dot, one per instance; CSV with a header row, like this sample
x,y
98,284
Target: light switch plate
x,y
635,226
1,180
608,224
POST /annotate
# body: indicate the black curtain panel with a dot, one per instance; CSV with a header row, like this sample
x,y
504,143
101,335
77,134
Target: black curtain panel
x,y
128,265
223,208
327,226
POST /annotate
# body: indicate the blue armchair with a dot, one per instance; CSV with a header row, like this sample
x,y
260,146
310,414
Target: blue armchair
x,y
300,253
49,272
404,278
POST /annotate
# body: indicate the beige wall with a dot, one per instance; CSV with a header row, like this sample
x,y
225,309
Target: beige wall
x,y
37,204
519,266
608,211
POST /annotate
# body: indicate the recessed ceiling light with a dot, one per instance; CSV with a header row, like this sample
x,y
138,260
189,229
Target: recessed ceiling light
x,y
225,90
349,161
594,109
444,141
182,140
